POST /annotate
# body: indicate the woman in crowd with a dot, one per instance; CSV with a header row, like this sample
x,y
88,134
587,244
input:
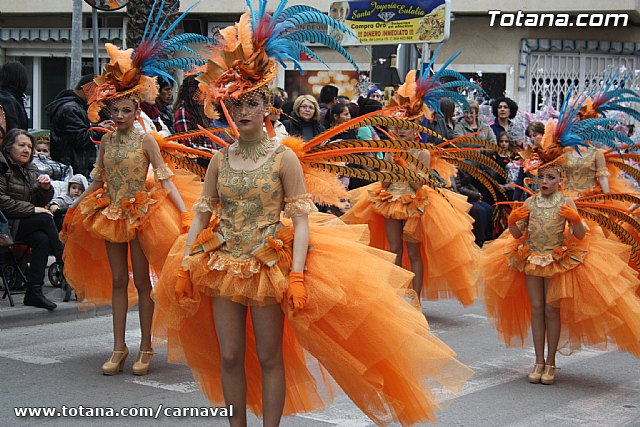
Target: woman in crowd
x,y
305,119
23,198
188,114
471,123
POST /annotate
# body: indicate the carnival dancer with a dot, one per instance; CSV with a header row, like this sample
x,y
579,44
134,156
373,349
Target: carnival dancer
x,y
255,290
122,223
570,286
431,229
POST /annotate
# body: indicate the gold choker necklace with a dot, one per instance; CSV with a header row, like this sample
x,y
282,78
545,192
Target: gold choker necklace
x,y
254,149
549,202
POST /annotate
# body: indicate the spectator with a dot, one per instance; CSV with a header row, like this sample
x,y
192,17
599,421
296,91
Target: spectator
x,y
188,114
13,83
328,95
59,205
274,117
23,196
504,109
71,140
535,132
163,102
150,117
481,211
375,94
471,123
442,122
305,117
339,114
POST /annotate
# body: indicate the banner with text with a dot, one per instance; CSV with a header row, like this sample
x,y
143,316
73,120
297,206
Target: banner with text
x,y
392,22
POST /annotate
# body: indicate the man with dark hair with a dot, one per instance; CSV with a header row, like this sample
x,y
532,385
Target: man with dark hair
x,y
164,101
71,139
13,82
328,95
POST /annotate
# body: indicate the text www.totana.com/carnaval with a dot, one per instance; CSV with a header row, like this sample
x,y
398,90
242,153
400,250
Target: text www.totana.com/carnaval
x,y
130,412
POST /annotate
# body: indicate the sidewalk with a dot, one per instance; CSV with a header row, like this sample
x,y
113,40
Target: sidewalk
x,y
12,317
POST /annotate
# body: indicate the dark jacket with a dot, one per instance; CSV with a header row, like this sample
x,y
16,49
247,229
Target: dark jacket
x,y
71,139
19,192
295,126
11,101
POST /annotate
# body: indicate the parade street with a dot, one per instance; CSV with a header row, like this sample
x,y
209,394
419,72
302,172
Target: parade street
x,y
58,364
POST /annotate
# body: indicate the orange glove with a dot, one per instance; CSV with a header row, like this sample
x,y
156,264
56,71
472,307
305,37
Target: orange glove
x,y
570,214
296,293
185,221
518,214
184,287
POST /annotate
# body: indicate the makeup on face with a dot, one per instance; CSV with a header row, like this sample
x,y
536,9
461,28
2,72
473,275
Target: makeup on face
x,y
548,181
123,113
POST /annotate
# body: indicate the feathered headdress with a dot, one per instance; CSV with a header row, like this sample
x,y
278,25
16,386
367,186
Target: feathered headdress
x,y
134,71
247,57
610,96
569,131
420,94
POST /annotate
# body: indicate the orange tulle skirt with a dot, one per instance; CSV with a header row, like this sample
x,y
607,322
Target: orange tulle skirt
x,y
441,224
149,217
356,323
591,283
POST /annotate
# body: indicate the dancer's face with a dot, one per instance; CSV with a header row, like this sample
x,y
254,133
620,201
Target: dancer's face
x,y
123,113
549,181
248,112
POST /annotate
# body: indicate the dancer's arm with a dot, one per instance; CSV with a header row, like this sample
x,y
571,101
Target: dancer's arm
x,y
601,172
206,206
161,170
424,156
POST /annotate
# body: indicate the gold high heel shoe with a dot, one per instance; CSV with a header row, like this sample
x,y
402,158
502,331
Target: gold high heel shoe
x,y
536,373
115,362
140,367
549,374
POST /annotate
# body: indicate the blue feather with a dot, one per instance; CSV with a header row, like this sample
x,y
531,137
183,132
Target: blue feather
x,y
314,36
149,19
166,16
630,111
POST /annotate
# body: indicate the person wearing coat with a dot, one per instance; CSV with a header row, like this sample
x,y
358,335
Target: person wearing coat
x,y
23,197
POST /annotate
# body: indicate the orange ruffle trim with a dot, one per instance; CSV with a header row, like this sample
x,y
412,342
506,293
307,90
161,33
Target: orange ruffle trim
x,y
444,228
356,323
155,223
597,297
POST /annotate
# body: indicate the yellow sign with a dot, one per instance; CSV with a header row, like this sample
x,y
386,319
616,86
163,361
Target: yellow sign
x,y
393,22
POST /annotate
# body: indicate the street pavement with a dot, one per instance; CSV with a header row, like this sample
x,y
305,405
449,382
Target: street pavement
x,y
55,364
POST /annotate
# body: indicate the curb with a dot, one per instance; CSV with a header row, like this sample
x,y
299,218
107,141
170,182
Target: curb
x,y
20,315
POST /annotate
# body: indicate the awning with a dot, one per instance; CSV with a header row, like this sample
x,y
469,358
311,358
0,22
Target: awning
x,y
548,45
57,34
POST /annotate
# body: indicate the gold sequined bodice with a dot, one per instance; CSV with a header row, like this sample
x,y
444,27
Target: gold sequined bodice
x,y
125,167
546,226
251,203
581,170
403,188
